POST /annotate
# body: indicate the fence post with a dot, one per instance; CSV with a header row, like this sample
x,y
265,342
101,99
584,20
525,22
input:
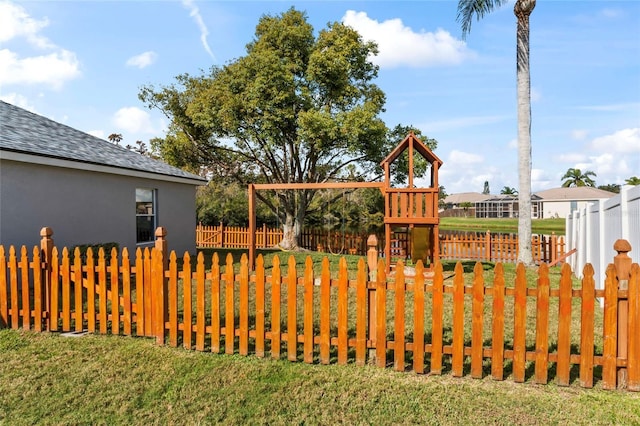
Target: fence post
x,y
372,263
622,263
46,248
163,247
221,234
161,244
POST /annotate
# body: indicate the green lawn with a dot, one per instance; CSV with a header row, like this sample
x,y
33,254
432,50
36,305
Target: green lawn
x,y
49,379
538,226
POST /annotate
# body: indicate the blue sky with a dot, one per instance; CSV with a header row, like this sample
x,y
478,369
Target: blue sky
x,y
82,63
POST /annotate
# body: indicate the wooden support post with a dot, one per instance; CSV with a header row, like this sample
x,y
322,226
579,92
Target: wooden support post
x,y
46,248
622,263
372,263
252,226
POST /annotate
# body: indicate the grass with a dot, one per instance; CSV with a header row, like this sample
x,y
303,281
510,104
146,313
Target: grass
x,y
49,379
538,226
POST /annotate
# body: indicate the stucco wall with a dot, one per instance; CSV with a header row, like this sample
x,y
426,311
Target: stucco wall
x,y
85,207
563,207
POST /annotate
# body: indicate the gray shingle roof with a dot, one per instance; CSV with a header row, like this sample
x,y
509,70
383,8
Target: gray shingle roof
x,y
25,132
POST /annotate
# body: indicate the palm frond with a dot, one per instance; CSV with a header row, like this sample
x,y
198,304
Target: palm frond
x,y
468,9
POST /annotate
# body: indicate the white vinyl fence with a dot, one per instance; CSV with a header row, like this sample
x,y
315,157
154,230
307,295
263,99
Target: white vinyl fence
x,y
592,231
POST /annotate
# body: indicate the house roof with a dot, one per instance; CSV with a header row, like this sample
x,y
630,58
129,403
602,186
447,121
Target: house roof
x,y
574,193
24,132
466,197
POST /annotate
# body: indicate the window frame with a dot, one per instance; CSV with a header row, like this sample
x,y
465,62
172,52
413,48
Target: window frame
x,y
153,215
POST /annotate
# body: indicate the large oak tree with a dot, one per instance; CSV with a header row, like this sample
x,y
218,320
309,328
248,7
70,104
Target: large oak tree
x,y
298,107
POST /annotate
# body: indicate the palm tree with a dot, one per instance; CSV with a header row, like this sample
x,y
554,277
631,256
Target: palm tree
x,y
508,191
467,10
633,180
575,177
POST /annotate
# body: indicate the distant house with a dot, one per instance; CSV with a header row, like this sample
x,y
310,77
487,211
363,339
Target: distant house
x,y
475,204
505,206
89,191
550,203
559,202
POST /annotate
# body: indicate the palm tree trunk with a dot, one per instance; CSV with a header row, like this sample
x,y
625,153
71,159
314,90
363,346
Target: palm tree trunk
x,y
522,10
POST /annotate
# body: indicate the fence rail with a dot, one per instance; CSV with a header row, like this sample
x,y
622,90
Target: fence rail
x,y
453,244
420,323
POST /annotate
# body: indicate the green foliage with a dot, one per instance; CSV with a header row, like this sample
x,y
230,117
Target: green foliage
x,y
95,248
469,9
633,180
576,177
509,191
611,187
298,107
400,167
226,201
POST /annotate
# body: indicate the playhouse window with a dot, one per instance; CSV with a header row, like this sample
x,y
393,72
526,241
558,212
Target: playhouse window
x,y
145,215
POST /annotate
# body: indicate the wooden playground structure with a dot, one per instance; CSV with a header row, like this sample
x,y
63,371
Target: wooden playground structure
x,y
412,209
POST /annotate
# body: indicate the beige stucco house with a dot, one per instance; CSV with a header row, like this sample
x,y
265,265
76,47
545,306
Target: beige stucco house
x,y
559,202
88,190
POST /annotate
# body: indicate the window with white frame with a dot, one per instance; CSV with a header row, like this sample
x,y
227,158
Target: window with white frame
x,y
145,215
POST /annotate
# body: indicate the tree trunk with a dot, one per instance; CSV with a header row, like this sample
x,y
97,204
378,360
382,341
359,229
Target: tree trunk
x,y
522,10
291,228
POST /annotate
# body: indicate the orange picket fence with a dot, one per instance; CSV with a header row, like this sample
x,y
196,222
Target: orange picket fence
x,y
453,244
423,322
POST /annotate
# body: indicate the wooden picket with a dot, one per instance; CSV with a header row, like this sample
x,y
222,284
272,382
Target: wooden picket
x,y
193,305
497,324
564,327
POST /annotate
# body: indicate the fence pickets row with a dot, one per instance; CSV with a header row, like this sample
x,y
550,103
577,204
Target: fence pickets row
x,y
453,245
205,309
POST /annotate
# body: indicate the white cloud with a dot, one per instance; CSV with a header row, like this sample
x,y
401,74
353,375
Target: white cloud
x,y
18,100
53,68
540,179
512,144
194,12
570,157
623,141
460,158
134,120
142,60
399,45
16,22
97,133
